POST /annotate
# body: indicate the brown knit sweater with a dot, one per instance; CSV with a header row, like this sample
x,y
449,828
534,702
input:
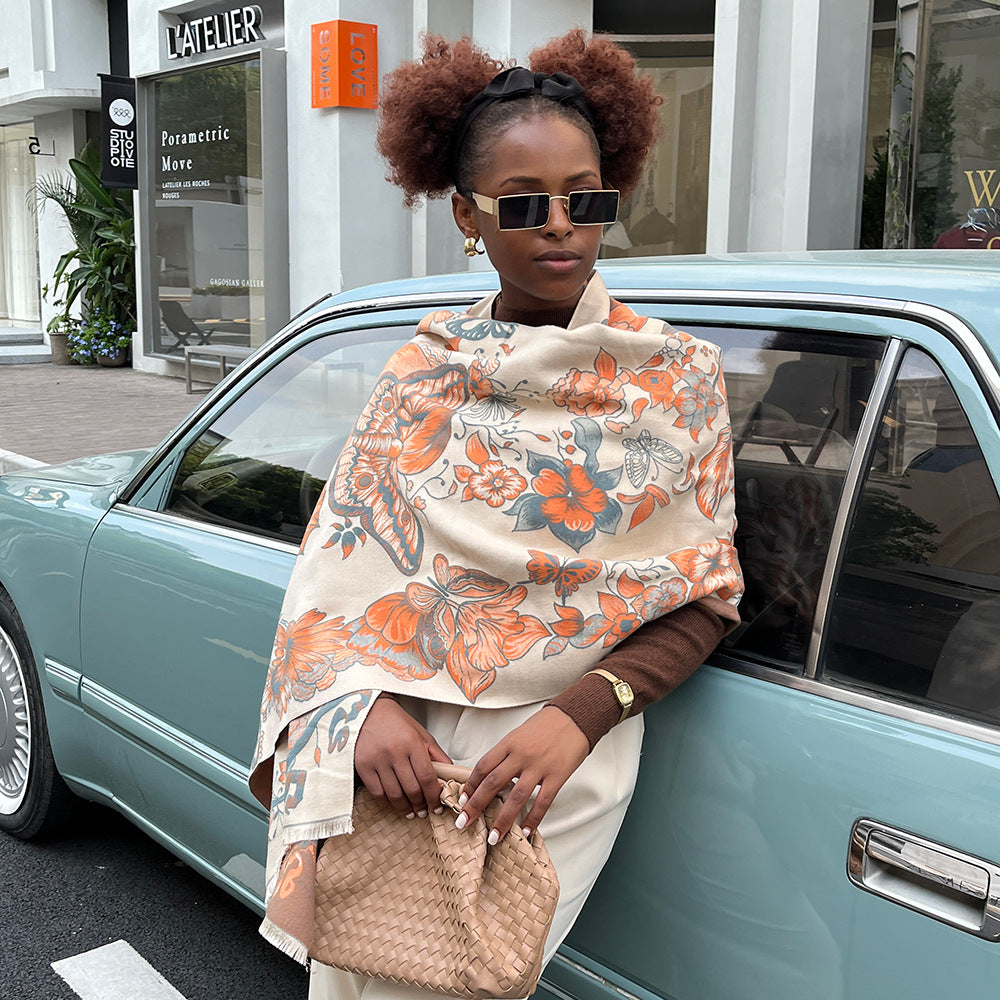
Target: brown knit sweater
x,y
655,658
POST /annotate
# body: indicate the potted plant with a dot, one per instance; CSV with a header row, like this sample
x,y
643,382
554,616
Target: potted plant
x,y
58,328
100,269
100,340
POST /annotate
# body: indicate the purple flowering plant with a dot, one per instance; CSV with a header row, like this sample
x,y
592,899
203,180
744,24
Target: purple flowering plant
x,y
96,337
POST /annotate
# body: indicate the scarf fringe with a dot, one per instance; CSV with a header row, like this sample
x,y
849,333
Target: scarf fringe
x,y
284,941
319,830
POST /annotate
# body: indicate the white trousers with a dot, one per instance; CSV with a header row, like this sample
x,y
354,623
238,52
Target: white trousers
x,y
579,828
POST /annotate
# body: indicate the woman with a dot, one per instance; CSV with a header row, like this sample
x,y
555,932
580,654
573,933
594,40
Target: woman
x,y
528,538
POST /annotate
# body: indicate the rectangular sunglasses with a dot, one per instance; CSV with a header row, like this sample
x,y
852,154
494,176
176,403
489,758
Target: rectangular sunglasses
x,y
531,211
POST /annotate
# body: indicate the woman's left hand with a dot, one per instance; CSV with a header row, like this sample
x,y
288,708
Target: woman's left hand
x,y
541,753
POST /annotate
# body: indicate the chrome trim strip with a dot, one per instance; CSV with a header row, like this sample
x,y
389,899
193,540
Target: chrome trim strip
x,y
871,422
980,361
582,970
63,680
150,731
212,529
833,690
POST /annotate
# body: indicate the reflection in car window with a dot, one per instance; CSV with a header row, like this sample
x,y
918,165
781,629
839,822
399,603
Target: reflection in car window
x,y
262,463
917,605
796,402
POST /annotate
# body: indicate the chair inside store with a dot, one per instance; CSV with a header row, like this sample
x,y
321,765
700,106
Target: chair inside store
x,y
180,325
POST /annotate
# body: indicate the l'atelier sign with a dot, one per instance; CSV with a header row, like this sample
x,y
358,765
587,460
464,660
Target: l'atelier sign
x,y
239,26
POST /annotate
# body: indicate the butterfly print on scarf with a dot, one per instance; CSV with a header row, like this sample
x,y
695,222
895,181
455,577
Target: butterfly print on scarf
x,y
404,428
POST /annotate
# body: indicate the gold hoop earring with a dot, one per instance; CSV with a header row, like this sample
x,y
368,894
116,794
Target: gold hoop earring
x,y
471,250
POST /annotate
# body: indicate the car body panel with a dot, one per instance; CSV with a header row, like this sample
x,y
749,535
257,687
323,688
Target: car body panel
x,y
751,790
729,876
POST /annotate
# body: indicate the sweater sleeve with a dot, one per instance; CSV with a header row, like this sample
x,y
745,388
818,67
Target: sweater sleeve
x,y
654,659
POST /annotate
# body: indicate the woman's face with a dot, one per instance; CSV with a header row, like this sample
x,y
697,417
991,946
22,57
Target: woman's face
x,y
547,267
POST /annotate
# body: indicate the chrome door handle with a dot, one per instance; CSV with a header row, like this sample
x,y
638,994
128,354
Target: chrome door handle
x,y
940,882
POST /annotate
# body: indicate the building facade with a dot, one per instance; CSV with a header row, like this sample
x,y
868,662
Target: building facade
x,y
787,124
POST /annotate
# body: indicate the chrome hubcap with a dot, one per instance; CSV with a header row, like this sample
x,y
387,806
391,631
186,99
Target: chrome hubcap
x,y
15,728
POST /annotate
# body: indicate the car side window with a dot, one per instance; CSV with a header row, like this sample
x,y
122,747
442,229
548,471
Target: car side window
x,y
916,610
796,401
262,463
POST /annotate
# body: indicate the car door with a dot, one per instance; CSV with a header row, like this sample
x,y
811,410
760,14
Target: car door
x,y
182,590
816,809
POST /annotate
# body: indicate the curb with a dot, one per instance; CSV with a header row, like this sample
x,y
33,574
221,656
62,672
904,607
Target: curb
x,y
12,462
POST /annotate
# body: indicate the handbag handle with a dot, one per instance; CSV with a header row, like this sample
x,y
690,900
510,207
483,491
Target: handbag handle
x,y
455,772
451,772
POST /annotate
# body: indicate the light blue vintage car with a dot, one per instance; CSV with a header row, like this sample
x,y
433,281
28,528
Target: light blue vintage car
x,y
819,806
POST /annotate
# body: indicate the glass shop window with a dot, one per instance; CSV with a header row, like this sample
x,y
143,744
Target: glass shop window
x,y
944,173
796,401
916,611
208,253
261,465
674,43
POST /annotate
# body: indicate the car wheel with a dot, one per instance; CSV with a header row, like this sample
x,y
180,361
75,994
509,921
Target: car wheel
x,y
33,798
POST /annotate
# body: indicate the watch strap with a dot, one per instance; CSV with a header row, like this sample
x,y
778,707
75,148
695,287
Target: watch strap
x,y
621,688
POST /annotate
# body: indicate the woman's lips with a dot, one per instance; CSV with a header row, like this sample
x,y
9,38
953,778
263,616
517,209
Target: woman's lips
x,y
559,261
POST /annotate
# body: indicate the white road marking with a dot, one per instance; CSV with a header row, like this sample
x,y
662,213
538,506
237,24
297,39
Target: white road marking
x,y
114,971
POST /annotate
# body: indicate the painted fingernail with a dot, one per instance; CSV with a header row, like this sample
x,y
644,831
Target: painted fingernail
x,y
461,821
439,810
410,815
462,799
494,838
422,814
526,831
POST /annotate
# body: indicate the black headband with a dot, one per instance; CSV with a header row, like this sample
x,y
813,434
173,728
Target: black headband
x,y
511,84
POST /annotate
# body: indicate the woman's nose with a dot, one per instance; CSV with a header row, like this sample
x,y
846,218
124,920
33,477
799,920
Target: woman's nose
x,y
559,221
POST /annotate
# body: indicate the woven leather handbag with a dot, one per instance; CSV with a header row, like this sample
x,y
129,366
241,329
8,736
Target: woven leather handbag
x,y
424,904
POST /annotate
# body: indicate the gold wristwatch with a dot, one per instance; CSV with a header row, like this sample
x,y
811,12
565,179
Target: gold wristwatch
x,y
622,689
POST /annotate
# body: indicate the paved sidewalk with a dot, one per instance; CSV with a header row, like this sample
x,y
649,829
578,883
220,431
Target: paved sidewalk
x,y
52,413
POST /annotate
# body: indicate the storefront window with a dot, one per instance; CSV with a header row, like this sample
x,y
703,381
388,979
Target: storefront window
x,y
208,217
945,171
668,212
19,300
883,52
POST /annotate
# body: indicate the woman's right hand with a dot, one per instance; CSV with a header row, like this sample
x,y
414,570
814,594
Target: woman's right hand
x,y
393,758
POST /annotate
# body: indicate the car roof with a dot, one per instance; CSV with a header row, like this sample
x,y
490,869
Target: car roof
x,y
963,282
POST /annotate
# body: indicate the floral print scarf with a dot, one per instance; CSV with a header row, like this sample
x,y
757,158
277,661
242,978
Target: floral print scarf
x,y
512,502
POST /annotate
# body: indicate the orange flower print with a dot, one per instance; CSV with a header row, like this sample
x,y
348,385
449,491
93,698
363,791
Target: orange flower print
x,y
710,568
661,598
304,657
493,481
496,484
464,621
570,498
593,394
624,318
660,384
622,620
697,403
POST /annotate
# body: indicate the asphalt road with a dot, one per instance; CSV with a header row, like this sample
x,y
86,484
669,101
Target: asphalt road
x,y
108,882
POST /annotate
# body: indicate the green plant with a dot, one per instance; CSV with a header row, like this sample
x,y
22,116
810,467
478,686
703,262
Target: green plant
x,y
97,337
100,269
61,322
